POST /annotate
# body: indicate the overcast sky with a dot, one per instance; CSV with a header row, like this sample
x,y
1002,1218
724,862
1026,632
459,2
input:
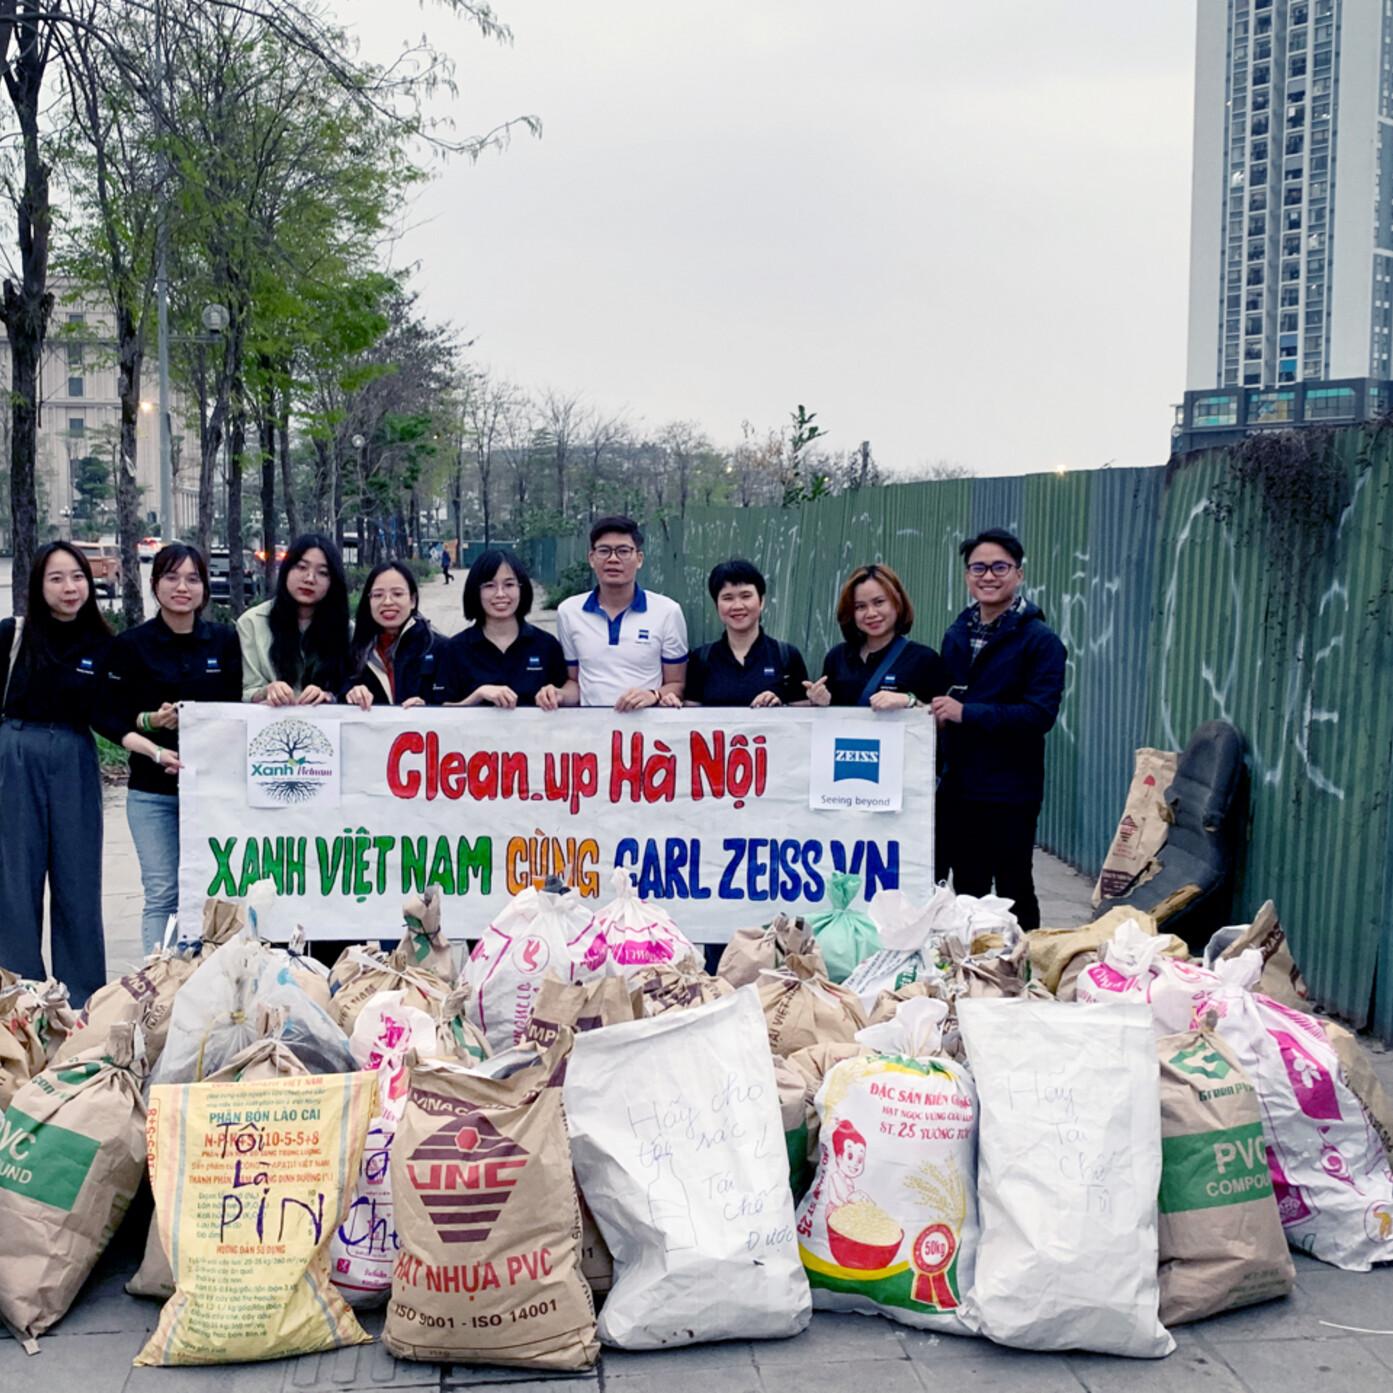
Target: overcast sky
x,y
958,230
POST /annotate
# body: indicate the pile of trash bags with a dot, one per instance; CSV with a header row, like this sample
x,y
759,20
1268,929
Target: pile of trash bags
x,y
579,1137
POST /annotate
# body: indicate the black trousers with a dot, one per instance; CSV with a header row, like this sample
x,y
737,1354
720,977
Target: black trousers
x,y
991,846
51,793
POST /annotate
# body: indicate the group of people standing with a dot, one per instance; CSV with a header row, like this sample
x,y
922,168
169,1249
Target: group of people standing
x,y
993,688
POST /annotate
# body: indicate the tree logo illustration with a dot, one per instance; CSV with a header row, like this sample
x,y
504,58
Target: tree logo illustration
x,y
283,760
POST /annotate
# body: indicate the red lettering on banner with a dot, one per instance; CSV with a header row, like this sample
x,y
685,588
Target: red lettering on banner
x,y
409,742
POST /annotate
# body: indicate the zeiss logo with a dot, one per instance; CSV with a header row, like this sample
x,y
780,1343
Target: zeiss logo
x,y
856,759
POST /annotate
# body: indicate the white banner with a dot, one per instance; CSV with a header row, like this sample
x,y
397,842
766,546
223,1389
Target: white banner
x,y
348,811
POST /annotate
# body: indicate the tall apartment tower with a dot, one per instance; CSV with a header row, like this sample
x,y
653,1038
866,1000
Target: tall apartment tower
x,y
1291,237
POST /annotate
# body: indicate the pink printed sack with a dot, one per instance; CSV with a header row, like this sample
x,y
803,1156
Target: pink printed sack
x,y
1330,1171
628,935
534,934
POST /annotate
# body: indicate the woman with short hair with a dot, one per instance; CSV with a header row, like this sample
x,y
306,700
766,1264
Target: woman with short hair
x,y
877,664
177,656
392,660
500,659
295,645
50,780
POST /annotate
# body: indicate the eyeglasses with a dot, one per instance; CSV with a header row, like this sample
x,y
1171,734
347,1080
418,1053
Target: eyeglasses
x,y
380,595
997,568
618,553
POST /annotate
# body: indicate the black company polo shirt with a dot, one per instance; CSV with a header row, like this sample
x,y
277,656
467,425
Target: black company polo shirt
x,y
471,660
917,669
715,677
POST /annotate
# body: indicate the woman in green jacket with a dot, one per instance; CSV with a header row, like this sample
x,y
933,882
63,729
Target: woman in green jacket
x,y
295,646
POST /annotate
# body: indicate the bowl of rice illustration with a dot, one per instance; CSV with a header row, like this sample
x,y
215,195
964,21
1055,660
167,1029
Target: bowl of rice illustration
x,y
863,1236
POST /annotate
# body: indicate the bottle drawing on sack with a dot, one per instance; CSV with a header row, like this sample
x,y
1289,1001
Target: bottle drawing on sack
x,y
671,1209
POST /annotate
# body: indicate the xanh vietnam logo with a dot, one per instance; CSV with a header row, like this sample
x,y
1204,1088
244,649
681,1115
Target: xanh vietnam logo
x,y
291,760
464,1173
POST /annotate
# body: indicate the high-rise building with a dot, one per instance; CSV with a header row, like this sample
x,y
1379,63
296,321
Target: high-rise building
x,y
1291,237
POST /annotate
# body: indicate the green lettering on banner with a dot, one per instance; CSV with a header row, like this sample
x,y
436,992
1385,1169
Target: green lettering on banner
x,y
251,866
478,859
43,1161
1203,1170
223,881
442,867
413,864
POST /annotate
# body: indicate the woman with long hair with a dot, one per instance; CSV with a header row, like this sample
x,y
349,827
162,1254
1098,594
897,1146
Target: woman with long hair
x,y
877,664
176,656
295,646
394,646
501,659
50,782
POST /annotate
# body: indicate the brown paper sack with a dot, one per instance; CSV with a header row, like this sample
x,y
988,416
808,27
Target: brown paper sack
x,y
1141,833
1052,950
456,1036
464,1267
577,1006
361,972
802,1008
751,951
72,1154
263,1059
674,987
1364,1083
1281,978
423,943
1222,1244
22,1053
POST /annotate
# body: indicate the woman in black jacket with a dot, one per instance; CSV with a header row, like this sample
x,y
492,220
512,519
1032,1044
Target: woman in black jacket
x,y
394,647
176,656
878,665
50,783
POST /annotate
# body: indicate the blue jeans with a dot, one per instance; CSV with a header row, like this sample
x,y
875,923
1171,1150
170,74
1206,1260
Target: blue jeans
x,y
154,822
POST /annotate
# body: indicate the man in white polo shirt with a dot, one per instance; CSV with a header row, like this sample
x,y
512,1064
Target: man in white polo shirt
x,y
625,645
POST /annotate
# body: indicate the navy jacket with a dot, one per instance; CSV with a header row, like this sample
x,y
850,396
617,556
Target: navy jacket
x,y
997,753
413,667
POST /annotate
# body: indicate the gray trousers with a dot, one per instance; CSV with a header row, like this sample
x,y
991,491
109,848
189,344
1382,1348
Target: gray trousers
x,y
51,806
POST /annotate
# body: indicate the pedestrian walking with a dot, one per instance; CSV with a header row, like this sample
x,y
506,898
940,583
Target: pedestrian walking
x,y
877,664
445,562
394,647
175,657
295,645
50,780
1006,667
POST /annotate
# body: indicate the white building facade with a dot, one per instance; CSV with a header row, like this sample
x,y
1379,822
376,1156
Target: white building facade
x,y
80,417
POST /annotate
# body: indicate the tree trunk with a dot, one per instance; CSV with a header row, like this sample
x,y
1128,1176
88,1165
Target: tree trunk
x,y
28,305
458,501
292,508
267,432
415,543
236,581
130,355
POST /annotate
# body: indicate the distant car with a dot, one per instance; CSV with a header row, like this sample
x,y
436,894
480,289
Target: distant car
x,y
280,555
105,562
146,547
218,586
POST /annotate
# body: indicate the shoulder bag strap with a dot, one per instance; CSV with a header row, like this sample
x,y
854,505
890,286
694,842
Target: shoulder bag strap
x,y
878,676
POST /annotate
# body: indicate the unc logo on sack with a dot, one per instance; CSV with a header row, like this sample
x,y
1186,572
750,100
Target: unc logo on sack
x,y
464,1173
856,759
291,761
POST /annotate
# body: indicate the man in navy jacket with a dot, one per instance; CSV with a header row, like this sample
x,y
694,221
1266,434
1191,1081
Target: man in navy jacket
x,y
1007,669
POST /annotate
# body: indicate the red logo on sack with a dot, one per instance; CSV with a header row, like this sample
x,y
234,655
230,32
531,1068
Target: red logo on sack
x,y
464,1176
531,955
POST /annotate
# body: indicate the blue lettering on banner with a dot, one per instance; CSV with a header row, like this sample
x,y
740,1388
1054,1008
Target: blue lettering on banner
x,y
756,869
856,759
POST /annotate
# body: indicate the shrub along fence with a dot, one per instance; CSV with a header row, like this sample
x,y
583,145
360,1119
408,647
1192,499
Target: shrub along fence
x,y
1250,585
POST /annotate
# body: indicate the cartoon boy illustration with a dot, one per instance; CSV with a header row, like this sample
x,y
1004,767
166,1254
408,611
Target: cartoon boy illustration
x,y
848,1161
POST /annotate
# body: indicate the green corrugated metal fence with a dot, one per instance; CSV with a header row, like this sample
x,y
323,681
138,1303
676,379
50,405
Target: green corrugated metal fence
x,y
1180,600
